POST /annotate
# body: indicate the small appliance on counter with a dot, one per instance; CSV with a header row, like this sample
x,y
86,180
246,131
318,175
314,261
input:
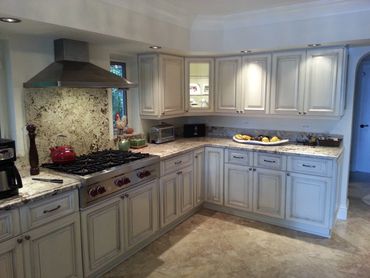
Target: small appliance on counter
x,y
10,180
162,133
62,153
194,130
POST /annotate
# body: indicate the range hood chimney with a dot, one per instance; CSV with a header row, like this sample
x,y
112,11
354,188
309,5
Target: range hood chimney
x,y
72,69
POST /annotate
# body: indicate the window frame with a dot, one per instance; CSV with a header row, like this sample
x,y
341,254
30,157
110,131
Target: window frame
x,y
124,71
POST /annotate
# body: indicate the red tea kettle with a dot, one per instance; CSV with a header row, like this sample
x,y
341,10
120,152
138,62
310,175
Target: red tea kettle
x,y
63,153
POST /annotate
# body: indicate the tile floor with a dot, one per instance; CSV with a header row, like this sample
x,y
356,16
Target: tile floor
x,y
213,244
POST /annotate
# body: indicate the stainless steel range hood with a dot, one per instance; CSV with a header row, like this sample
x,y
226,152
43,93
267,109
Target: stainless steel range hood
x,y
72,69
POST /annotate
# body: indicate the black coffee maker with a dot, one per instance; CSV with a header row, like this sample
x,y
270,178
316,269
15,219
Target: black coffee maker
x,y
10,180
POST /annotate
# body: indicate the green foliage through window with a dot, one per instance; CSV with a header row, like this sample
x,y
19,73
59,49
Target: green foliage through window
x,y
119,96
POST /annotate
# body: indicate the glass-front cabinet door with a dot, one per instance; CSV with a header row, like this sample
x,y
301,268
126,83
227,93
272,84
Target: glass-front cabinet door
x,y
199,74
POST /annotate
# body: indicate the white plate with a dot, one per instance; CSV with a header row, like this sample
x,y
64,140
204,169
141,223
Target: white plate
x,y
253,142
194,89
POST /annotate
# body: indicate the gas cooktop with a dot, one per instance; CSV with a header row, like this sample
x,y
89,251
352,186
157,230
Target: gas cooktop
x,y
96,162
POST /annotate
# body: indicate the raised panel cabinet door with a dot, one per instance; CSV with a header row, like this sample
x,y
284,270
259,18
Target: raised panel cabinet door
x,y
142,212
269,192
256,83
186,189
199,88
324,82
169,202
172,84
54,250
149,94
11,258
199,177
287,82
102,234
214,166
228,84
238,187
308,199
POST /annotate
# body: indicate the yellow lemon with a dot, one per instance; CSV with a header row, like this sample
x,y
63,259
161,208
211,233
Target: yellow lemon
x,y
275,139
265,139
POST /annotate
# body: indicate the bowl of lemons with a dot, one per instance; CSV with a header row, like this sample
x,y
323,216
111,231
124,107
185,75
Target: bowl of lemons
x,y
259,140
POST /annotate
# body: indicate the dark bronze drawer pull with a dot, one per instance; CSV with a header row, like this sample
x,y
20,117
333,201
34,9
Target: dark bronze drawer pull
x,y
51,210
308,166
238,157
269,161
178,162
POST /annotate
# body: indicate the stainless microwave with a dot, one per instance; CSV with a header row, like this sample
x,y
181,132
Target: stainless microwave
x,y
162,133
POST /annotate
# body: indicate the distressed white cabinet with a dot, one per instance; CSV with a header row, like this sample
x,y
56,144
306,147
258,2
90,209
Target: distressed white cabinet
x,y
54,250
228,84
176,193
214,166
161,85
287,82
308,199
325,79
199,88
11,258
256,83
199,176
141,213
102,244
238,187
269,192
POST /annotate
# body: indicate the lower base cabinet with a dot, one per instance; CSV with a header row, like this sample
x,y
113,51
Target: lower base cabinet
x,y
308,199
11,258
116,225
214,169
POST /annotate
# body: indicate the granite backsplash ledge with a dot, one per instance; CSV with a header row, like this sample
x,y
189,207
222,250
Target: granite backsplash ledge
x,y
82,115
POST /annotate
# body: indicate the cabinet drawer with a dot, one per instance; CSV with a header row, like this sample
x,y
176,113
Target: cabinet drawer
x,y
314,166
239,157
270,161
173,164
9,224
42,212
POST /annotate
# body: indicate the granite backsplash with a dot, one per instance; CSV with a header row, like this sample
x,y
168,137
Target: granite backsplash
x,y
82,115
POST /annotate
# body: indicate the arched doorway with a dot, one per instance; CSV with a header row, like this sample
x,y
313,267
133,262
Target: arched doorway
x,y
359,180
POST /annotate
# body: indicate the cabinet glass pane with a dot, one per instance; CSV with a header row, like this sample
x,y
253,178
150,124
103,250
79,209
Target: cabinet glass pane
x,y
199,85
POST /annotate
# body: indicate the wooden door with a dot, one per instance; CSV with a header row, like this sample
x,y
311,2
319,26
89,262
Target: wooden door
x,y
228,84
324,82
308,199
169,199
186,189
142,212
287,83
256,83
214,165
54,250
172,84
11,258
269,192
199,176
238,187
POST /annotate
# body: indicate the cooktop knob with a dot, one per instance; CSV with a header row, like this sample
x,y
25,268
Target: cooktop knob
x,y
92,192
141,175
119,182
101,189
147,173
126,181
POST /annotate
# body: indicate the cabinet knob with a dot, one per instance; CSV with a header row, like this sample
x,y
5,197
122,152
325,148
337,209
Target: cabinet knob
x,y
196,156
299,113
288,174
237,111
27,237
304,113
126,195
20,240
250,169
254,169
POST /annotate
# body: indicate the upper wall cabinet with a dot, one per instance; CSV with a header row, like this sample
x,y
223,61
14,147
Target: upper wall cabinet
x,y
199,92
255,83
161,85
325,82
228,84
288,73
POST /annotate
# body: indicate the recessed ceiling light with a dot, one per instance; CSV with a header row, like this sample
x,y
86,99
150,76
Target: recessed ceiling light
x,y
246,51
10,20
313,44
155,47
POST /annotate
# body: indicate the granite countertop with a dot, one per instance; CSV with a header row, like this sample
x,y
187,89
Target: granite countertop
x,y
36,190
183,145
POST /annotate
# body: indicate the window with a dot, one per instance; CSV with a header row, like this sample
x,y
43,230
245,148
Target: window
x,y
119,96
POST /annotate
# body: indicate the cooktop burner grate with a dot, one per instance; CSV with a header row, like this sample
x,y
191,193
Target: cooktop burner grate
x,y
96,162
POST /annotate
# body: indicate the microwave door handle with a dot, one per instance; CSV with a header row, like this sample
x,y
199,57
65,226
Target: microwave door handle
x,y
18,178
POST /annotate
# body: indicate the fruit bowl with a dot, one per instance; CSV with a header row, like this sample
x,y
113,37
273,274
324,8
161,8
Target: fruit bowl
x,y
246,139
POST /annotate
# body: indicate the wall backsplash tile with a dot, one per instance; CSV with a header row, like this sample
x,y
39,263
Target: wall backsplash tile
x,y
82,115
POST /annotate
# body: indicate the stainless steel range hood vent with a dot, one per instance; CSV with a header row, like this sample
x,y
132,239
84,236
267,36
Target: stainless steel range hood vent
x,y
72,69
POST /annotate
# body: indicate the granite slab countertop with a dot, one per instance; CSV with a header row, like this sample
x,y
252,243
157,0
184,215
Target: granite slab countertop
x,y
182,145
36,190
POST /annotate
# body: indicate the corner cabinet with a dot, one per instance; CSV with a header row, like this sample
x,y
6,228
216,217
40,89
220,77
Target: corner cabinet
x,y
161,85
